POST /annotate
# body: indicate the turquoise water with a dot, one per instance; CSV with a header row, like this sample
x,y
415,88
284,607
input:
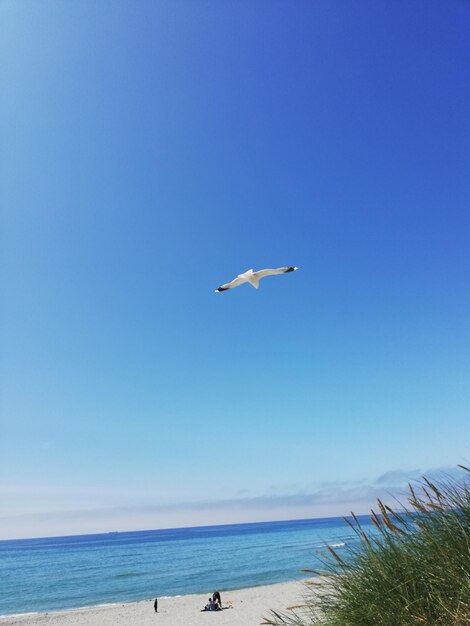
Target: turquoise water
x,y
68,572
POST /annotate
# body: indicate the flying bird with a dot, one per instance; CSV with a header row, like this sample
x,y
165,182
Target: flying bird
x,y
254,277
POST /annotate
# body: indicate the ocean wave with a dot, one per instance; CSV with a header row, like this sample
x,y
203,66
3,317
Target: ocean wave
x,y
336,545
18,615
129,574
75,609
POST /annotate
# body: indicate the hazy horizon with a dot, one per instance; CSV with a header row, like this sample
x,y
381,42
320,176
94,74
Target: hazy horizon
x,y
329,500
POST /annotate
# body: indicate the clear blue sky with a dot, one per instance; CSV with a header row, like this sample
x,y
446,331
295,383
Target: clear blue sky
x,y
152,151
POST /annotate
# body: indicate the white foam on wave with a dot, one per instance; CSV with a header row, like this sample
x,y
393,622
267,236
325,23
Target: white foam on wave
x,y
74,609
87,607
336,545
18,615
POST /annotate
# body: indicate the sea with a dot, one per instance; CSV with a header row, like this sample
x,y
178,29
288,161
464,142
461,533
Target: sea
x,y
56,573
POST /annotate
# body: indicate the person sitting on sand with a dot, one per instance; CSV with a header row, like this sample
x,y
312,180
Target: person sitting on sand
x,y
211,606
216,599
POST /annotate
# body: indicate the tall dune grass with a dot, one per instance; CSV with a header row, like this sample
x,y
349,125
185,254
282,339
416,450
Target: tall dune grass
x,y
415,571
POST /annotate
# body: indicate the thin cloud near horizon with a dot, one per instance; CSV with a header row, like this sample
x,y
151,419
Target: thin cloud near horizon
x,y
326,501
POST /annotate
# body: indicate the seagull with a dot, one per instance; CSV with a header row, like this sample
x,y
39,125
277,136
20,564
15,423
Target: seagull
x,y
254,277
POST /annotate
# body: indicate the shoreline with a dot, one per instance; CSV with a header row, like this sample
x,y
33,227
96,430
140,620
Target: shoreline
x,y
247,607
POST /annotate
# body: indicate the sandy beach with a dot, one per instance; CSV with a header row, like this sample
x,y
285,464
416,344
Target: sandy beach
x,y
248,607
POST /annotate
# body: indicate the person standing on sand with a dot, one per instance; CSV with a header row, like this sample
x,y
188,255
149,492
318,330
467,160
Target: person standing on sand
x,y
155,605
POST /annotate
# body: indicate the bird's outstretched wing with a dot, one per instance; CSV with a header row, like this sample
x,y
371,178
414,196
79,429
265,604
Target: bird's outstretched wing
x,y
234,283
279,270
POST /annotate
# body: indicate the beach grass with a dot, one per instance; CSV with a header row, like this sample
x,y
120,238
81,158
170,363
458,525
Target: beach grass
x,y
413,571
